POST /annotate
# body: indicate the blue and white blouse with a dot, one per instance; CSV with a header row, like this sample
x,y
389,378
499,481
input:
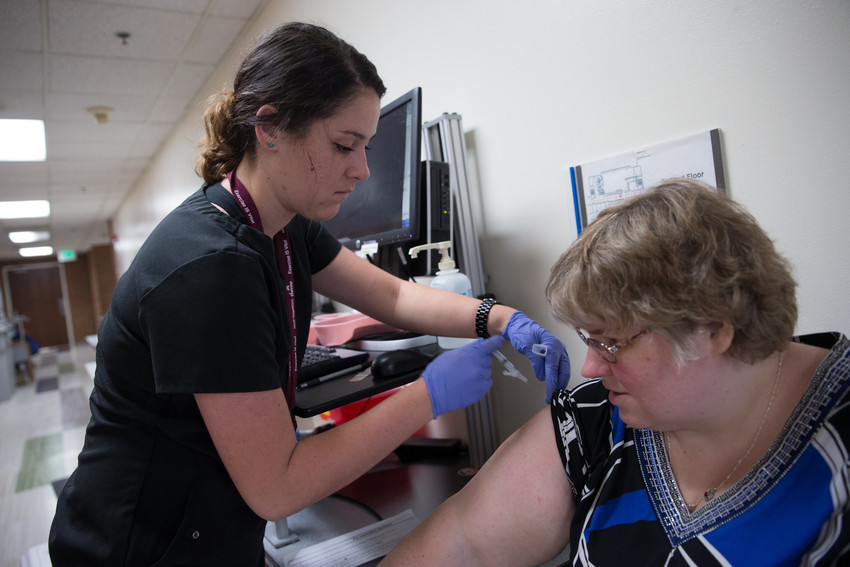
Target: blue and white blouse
x,y
790,509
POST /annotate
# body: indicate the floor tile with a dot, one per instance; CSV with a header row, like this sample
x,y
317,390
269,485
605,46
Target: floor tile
x,y
42,462
67,368
47,358
43,433
47,385
75,407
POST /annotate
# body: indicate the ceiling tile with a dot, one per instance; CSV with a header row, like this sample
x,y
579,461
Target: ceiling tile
x,y
88,28
213,41
26,173
20,26
92,170
169,109
150,82
22,71
21,104
76,207
154,132
72,191
142,149
237,8
128,108
24,192
71,150
71,74
187,79
90,132
192,6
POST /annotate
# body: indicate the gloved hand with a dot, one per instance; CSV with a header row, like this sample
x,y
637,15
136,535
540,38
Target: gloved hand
x,y
460,377
554,367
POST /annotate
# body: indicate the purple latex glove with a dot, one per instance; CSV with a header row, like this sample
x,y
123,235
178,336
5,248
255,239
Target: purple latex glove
x,y
554,366
460,377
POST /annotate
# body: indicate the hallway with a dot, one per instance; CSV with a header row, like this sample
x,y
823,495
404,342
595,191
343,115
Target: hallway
x,y
43,426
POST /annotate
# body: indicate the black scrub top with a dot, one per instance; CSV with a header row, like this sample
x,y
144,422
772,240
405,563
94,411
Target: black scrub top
x,y
200,310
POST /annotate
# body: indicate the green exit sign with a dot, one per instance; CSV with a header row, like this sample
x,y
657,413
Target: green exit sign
x,y
67,256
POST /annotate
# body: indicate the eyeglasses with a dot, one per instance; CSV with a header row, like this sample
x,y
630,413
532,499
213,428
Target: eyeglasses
x,y
608,353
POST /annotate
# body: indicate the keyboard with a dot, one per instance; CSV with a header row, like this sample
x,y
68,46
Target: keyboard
x,y
321,360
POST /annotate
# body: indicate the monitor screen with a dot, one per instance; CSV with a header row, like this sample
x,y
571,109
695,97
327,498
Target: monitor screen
x,y
384,208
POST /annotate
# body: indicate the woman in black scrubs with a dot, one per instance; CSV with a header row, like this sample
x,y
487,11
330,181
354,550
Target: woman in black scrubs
x,y
191,447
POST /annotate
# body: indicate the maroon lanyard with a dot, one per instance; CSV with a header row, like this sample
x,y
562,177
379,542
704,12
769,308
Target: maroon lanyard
x,y
284,260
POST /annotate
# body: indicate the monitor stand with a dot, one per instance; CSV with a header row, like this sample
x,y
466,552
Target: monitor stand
x,y
322,521
278,533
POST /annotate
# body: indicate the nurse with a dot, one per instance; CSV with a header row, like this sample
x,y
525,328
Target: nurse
x,y
191,446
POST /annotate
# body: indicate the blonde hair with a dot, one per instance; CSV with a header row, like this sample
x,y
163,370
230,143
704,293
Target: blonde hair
x,y
675,259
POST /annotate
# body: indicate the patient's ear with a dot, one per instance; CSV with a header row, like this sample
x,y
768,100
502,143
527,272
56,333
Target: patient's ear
x,y
720,334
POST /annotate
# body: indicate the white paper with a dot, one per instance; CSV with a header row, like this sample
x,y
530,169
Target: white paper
x,y
610,180
359,546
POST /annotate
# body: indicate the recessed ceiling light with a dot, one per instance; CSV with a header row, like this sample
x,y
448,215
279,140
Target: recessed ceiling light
x,y
22,140
28,236
36,251
24,209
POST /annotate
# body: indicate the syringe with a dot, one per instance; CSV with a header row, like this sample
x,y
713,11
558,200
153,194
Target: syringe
x,y
510,369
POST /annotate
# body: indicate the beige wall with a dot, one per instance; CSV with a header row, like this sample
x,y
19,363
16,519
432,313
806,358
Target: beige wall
x,y
544,85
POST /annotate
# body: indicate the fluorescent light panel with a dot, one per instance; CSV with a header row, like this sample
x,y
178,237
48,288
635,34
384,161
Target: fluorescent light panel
x,y
28,236
24,209
22,140
36,251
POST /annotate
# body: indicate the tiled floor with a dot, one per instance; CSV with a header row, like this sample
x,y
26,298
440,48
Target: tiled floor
x,y
43,426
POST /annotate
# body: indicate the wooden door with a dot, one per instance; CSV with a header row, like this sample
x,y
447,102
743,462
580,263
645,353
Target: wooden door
x,y
36,293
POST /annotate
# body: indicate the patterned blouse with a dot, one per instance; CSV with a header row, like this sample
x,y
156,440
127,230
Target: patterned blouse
x,y
792,508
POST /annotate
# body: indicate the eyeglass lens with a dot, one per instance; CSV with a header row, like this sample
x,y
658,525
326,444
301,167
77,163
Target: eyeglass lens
x,y
601,348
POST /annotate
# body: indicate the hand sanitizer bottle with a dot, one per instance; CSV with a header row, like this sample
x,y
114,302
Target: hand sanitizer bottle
x,y
449,278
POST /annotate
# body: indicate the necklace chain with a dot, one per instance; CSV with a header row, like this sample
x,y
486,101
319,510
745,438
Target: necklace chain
x,y
711,492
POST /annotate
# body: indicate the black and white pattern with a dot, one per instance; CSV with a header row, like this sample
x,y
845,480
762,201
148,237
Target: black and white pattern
x,y
790,509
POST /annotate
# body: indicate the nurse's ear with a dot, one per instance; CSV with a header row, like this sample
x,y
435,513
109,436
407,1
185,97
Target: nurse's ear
x,y
266,133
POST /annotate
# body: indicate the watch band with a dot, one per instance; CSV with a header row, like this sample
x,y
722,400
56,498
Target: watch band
x,y
482,315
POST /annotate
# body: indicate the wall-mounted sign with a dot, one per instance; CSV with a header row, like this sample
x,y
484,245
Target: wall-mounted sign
x,y
601,183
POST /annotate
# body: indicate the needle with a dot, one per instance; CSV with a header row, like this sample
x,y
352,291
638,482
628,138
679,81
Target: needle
x,y
510,369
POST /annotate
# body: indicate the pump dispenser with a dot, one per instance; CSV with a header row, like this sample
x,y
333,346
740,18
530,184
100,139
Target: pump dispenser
x,y
449,278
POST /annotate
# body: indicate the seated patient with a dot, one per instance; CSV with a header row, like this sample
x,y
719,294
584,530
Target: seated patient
x,y
706,435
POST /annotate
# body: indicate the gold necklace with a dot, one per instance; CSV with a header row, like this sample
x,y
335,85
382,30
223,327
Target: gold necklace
x,y
711,492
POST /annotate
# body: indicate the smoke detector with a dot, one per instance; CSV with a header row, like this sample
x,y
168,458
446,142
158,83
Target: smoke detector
x,y
101,113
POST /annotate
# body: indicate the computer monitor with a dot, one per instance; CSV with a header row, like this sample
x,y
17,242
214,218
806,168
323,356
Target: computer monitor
x,y
384,209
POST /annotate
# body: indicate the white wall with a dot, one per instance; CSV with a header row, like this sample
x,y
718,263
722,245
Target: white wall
x,y
543,85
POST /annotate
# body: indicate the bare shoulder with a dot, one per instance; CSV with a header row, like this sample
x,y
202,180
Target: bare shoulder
x,y
800,364
804,359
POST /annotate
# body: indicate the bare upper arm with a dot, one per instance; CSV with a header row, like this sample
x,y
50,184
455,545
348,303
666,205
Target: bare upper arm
x,y
254,437
516,511
521,502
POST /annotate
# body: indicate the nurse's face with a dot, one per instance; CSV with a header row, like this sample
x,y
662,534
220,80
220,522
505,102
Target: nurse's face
x,y
314,174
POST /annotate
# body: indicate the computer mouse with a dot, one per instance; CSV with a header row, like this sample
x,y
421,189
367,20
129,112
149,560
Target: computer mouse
x,y
398,362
